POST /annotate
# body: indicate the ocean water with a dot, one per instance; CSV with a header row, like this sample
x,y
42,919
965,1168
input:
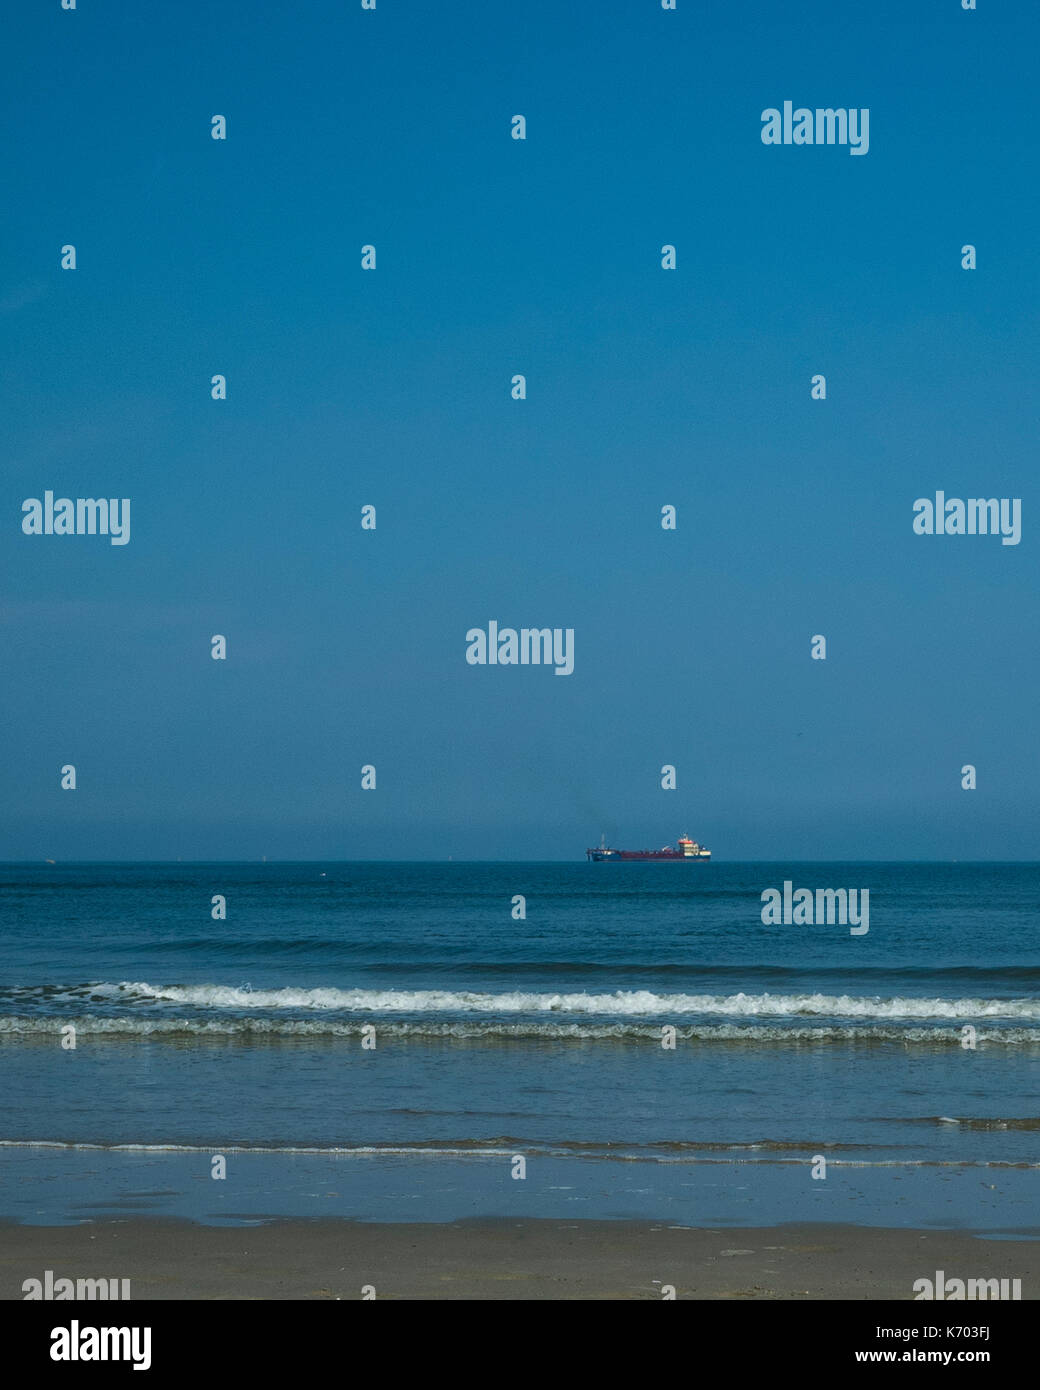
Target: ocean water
x,y
539,1038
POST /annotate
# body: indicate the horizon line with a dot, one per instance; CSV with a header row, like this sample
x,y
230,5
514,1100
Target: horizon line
x,y
57,863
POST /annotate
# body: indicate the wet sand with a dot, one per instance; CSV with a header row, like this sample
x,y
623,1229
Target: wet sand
x,y
506,1260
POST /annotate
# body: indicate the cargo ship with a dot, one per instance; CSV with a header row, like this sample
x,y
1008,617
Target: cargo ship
x,y
687,851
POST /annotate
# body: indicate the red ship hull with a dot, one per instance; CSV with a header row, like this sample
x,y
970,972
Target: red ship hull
x,y
689,852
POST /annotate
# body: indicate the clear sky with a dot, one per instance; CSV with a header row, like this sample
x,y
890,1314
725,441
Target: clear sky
x,y
391,387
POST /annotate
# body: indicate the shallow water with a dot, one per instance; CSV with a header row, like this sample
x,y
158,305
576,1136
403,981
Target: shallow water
x,y
539,1037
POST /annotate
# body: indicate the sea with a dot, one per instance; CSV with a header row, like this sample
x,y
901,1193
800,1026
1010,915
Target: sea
x,y
237,1043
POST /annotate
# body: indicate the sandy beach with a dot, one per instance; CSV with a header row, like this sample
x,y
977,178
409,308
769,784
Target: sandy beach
x,y
506,1260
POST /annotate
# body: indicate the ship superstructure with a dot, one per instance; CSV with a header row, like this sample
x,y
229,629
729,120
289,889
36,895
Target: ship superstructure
x,y
687,851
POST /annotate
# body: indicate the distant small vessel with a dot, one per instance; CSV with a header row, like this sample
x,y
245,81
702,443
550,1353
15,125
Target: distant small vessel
x,y
687,851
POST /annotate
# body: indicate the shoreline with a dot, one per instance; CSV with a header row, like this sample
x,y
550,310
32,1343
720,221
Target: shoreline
x,y
508,1259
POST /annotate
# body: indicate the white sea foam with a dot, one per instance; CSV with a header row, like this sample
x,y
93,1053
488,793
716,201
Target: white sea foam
x,y
258,1029
634,1153
619,1004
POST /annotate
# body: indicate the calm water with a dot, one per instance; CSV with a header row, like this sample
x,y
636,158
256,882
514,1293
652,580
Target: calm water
x,y
538,1037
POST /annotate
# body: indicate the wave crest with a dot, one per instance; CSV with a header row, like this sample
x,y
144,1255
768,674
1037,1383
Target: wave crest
x,y
620,1003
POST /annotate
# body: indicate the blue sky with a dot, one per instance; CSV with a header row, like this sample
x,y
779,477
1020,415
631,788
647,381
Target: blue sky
x,y
391,387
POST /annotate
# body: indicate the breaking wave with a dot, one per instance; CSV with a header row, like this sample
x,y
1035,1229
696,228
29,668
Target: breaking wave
x,y
141,1009
259,1029
758,1152
620,1003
